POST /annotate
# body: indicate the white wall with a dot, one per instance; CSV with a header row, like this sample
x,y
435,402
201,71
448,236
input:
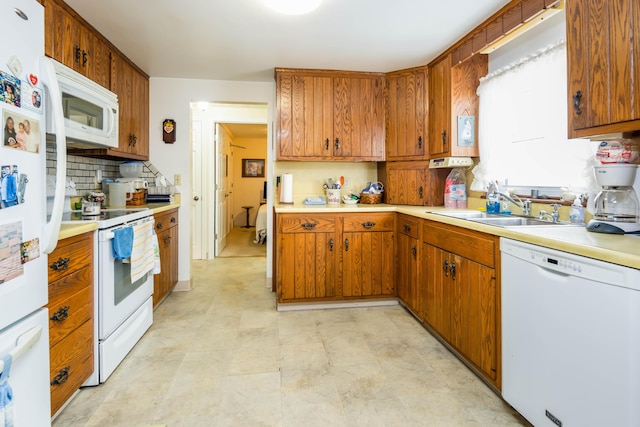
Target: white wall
x,y
247,191
171,99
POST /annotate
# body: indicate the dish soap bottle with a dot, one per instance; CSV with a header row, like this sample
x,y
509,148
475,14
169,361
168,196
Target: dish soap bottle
x,y
493,198
576,213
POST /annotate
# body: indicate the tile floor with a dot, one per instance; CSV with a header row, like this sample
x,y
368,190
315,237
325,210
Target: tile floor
x,y
220,355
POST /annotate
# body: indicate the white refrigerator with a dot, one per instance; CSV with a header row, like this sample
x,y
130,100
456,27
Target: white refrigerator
x,y
26,79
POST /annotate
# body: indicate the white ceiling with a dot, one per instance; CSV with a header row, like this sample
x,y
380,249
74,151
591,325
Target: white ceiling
x,y
245,40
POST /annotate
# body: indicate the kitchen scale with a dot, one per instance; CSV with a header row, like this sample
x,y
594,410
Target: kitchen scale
x,y
616,205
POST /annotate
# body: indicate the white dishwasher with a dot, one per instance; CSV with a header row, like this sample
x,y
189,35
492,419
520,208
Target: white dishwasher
x,y
570,338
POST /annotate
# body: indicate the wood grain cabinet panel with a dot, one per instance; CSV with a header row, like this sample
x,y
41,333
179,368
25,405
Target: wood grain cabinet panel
x,y
409,253
412,183
462,293
407,104
603,61
71,308
329,115
166,225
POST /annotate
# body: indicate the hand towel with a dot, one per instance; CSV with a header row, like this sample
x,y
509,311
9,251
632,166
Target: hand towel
x,y
122,243
156,253
142,252
6,394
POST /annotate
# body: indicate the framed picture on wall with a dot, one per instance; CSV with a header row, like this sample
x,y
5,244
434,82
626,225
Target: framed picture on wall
x,y
253,168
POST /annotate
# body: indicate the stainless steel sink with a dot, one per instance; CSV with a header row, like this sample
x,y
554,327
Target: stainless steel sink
x,y
502,220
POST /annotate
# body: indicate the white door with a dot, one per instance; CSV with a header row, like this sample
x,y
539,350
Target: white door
x,y
198,230
223,161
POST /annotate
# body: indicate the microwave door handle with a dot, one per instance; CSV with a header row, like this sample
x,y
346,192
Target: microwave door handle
x,y
112,121
52,228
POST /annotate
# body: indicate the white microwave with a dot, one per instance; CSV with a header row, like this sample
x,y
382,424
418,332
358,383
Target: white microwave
x,y
90,111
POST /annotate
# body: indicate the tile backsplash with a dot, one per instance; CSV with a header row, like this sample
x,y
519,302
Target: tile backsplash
x,y
82,170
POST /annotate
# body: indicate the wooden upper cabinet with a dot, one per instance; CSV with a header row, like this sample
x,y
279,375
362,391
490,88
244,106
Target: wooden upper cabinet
x,y
452,93
603,65
72,43
406,115
326,115
132,88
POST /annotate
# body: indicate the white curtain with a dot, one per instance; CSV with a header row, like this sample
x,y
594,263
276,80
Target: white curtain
x,y
523,126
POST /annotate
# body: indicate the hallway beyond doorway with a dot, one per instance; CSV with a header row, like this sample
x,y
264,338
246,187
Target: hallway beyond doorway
x,y
240,244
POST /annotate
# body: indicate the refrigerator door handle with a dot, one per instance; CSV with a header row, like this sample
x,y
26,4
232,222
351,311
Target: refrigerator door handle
x,y
52,228
24,344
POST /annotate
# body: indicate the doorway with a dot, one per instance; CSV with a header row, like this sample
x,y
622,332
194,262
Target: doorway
x,y
224,134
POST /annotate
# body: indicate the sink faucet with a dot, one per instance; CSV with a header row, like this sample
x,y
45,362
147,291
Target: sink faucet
x,y
555,215
524,205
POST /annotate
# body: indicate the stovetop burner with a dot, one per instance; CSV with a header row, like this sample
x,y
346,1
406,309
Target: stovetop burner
x,y
107,218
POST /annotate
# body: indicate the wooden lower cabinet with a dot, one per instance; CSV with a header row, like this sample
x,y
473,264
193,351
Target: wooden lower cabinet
x,y
462,293
412,183
70,307
166,224
324,257
409,253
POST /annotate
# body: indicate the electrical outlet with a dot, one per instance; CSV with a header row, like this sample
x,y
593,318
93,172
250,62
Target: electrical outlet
x,y
177,179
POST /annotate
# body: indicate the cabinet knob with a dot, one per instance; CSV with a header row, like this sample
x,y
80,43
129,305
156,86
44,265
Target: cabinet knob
x,y
62,377
61,314
577,98
407,228
159,226
173,218
60,265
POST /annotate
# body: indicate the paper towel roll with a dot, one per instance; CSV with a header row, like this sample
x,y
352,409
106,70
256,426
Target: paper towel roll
x,y
286,188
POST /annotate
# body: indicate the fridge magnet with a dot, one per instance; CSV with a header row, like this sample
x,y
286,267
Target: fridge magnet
x,y
10,87
9,186
30,250
253,168
466,131
169,131
32,97
10,251
21,132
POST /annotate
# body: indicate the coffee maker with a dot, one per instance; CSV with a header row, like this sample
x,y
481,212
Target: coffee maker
x,y
617,210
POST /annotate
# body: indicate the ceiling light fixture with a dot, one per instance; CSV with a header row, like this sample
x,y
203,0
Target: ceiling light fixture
x,y
293,7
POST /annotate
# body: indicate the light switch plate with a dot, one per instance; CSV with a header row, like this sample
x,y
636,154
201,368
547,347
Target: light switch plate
x,y
177,179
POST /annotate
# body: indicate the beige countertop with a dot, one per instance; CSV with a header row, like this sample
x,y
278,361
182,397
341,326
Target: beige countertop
x,y
617,249
73,229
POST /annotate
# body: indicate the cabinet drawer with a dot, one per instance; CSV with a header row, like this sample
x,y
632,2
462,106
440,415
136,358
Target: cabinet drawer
x,y
70,255
311,224
473,245
71,364
68,314
166,220
369,222
409,226
64,288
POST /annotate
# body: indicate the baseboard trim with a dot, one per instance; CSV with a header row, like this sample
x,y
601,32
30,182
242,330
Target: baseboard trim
x,y
183,285
336,304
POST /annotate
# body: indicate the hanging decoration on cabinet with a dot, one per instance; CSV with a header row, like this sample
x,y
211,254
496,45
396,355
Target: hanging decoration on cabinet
x,y
466,131
169,131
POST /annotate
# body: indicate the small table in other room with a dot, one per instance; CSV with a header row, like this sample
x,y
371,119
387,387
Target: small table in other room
x,y
247,209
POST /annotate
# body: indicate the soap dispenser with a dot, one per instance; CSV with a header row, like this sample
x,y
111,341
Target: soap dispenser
x,y
576,213
493,198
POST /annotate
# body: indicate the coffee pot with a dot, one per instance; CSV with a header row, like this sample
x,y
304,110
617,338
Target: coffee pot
x,y
617,210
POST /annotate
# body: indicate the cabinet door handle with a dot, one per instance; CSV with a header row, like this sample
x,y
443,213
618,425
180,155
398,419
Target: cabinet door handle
x,y
61,314
368,224
577,98
421,192
420,143
60,265
62,377
85,57
308,225
78,52
337,143
414,252
445,267
444,137
135,140
326,144
167,241
452,269
330,245
346,245
407,228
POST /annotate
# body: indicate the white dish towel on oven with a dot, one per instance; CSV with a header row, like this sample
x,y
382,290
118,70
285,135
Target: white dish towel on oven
x,y
142,253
